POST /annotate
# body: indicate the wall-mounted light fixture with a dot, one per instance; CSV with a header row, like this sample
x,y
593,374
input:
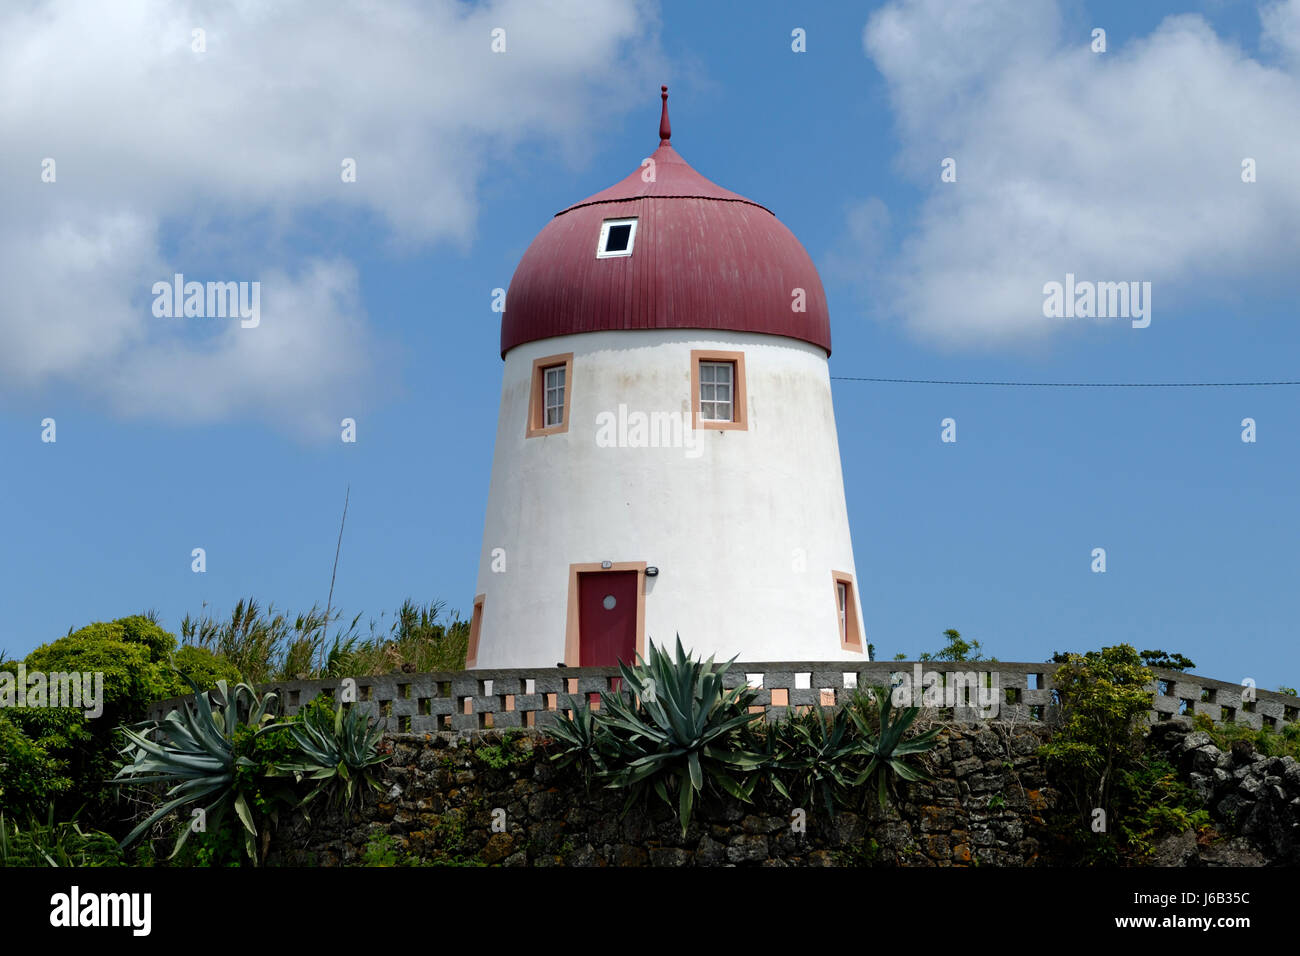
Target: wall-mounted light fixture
x,y
651,572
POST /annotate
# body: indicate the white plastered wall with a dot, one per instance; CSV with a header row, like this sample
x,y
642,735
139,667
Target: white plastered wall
x,y
745,528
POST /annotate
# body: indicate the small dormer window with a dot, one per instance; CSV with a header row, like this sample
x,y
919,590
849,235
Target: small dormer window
x,y
616,238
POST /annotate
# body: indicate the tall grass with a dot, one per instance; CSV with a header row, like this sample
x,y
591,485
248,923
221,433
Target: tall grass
x,y
268,645
48,843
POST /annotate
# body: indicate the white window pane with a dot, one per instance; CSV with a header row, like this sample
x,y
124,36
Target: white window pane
x,y
717,393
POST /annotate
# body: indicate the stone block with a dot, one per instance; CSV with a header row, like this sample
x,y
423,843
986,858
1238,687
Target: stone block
x,y
961,768
747,848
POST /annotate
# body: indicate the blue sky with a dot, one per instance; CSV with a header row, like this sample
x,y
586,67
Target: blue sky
x,y
224,165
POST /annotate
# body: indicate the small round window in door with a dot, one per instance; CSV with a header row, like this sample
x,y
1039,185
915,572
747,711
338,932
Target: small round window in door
x,y
609,602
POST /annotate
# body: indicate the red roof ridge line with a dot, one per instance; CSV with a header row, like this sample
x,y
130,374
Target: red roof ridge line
x,y
600,202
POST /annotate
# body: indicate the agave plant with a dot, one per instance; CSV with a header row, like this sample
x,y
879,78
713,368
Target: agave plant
x,y
887,748
338,751
679,731
815,758
583,740
192,748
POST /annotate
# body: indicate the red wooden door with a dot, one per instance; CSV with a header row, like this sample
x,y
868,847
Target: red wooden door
x,y
607,618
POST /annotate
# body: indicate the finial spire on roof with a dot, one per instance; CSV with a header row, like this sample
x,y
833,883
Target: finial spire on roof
x,y
665,131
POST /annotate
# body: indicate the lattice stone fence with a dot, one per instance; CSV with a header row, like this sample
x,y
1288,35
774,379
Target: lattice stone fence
x,y
530,697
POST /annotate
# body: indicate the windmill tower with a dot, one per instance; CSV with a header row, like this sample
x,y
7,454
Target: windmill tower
x,y
666,459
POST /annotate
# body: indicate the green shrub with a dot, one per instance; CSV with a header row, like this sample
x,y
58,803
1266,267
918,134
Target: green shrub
x,y
202,667
957,649
132,658
381,850
499,756
220,848
1168,661
135,656
1268,742
1151,801
30,779
1103,699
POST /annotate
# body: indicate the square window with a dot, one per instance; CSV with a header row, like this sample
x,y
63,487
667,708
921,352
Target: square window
x,y
548,404
617,237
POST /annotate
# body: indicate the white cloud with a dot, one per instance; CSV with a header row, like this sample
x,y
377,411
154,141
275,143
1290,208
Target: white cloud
x,y
1117,166
164,155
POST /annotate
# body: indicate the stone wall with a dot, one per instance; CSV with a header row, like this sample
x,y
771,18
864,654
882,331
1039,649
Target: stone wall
x,y
442,794
1247,793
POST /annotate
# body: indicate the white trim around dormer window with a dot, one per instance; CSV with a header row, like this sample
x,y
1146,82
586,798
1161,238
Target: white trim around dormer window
x,y
622,247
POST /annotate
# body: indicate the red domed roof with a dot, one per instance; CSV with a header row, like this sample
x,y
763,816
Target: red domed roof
x,y
702,257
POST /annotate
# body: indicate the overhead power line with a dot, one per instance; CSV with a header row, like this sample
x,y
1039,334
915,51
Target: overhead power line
x,y
935,381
